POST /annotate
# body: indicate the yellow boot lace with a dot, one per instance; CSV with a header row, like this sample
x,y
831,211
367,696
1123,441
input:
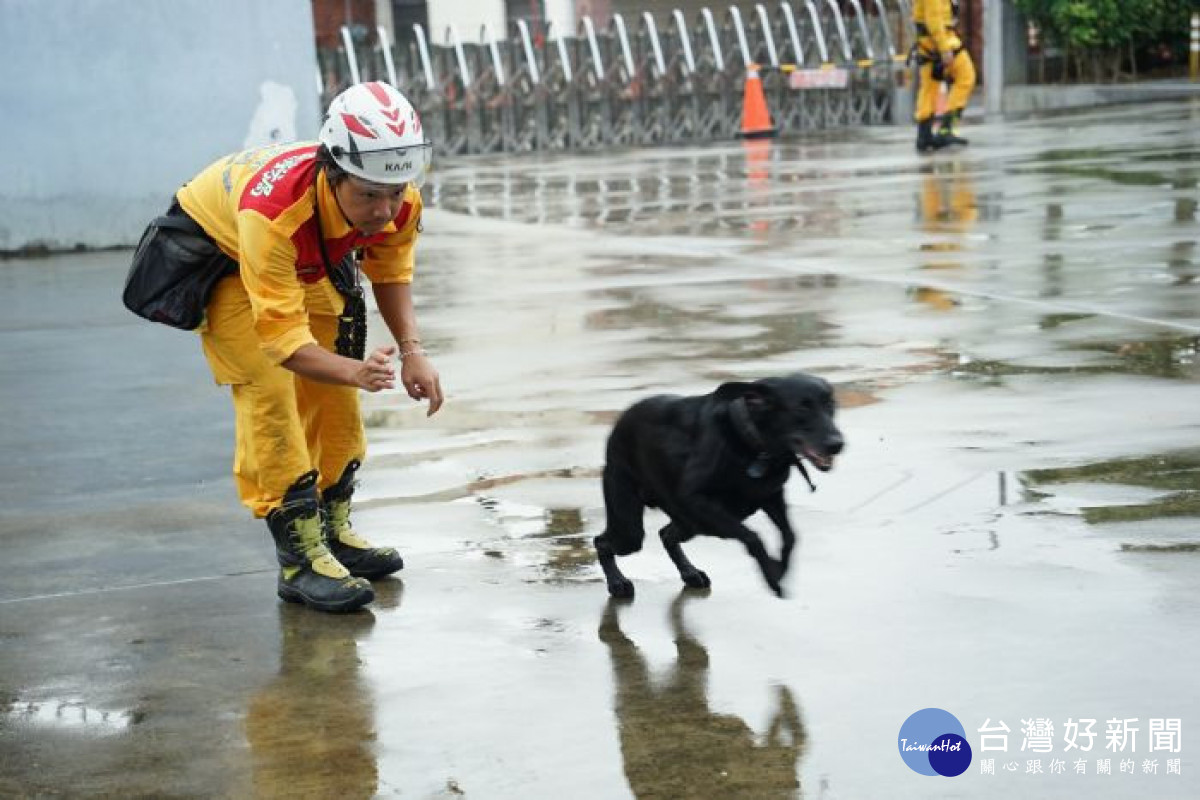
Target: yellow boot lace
x,y
339,526
307,533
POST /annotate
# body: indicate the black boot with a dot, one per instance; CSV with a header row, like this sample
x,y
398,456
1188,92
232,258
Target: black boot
x,y
947,133
360,557
309,574
926,141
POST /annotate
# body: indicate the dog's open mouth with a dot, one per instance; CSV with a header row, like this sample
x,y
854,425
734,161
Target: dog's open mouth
x,y
819,460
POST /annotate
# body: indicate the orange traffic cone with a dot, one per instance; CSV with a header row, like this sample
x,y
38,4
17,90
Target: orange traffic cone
x,y
756,119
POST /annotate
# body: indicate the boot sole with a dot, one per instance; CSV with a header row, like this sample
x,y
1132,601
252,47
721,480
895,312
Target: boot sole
x,y
374,574
292,595
368,571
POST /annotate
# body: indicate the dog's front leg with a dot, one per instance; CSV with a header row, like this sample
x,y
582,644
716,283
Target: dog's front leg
x,y
711,517
672,535
698,511
776,511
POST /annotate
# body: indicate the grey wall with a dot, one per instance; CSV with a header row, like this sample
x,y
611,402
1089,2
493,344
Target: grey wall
x,y
107,106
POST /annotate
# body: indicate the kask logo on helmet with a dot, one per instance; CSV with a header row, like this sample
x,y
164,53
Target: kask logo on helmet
x,y
405,167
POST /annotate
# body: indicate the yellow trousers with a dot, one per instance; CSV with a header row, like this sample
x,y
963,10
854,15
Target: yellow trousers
x,y
286,425
961,72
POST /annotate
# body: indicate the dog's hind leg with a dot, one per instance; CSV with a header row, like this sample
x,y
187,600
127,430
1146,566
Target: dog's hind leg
x,y
623,531
673,535
618,584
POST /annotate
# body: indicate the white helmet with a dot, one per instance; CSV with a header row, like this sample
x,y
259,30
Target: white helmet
x,y
373,132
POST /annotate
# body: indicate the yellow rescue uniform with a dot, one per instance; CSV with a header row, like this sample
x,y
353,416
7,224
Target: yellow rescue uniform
x,y
936,35
260,207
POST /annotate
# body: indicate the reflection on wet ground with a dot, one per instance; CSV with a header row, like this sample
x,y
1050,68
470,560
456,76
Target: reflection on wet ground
x,y
563,552
311,729
711,331
74,713
674,745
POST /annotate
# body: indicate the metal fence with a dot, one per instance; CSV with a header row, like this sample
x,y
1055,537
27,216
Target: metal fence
x,y
644,80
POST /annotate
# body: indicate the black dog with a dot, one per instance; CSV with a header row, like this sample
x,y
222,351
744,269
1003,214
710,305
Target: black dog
x,y
709,462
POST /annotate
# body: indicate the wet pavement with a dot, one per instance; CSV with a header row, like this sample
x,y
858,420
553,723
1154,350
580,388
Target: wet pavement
x,y
1011,535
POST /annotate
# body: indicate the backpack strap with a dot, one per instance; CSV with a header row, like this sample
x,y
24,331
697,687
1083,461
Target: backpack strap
x,y
179,220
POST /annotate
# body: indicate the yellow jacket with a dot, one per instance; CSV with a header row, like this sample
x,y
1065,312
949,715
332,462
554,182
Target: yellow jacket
x,y
937,17
258,205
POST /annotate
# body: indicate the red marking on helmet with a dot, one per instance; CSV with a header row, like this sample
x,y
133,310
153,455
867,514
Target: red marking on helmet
x,y
354,125
393,115
397,129
416,123
380,92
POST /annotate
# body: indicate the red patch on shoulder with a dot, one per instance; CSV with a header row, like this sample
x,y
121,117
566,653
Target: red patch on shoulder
x,y
280,182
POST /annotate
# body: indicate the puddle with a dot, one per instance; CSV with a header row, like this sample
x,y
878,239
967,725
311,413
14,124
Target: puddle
x,y
1120,177
756,321
561,551
1174,477
1182,547
1161,357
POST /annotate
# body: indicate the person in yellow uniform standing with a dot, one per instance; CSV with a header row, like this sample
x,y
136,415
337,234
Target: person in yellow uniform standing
x,y
286,330
942,58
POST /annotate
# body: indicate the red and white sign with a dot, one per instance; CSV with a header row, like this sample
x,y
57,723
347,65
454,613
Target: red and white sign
x,y
834,78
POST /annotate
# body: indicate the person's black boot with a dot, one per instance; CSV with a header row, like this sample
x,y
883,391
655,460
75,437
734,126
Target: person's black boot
x,y
363,559
947,133
309,573
926,141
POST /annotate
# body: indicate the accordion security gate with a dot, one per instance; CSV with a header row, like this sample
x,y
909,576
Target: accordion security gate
x,y
643,81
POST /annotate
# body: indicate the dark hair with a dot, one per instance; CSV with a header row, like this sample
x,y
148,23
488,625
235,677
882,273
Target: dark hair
x,y
333,172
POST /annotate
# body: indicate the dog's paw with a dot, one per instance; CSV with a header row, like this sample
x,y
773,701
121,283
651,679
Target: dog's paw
x,y
773,572
621,589
696,579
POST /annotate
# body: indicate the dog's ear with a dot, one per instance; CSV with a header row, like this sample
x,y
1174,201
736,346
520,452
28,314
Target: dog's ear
x,y
757,395
733,390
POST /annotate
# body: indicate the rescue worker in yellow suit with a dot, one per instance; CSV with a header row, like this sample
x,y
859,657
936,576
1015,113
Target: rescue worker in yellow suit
x,y
286,331
942,59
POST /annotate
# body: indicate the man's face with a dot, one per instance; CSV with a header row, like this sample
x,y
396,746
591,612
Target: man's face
x,y
368,206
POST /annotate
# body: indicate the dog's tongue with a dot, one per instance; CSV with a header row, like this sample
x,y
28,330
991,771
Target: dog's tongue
x,y
819,461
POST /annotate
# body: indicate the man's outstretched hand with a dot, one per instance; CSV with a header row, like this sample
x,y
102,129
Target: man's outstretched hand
x,y
376,371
